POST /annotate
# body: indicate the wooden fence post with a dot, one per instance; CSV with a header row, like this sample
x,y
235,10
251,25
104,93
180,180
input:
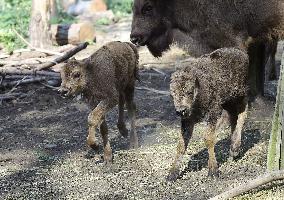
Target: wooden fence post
x,y
275,156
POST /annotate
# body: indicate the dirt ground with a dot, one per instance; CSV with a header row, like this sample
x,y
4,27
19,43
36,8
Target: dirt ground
x,y
43,151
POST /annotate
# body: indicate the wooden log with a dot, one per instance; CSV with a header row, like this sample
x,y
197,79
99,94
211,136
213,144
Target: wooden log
x,y
25,81
14,71
17,77
11,96
67,55
63,34
269,177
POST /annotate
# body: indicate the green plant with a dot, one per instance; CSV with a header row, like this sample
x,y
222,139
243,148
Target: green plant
x,y
63,18
103,21
14,14
120,7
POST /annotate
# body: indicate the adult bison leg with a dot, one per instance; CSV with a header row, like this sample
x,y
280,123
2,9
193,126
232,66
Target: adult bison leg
x,y
237,132
184,137
95,119
210,141
131,108
107,148
121,123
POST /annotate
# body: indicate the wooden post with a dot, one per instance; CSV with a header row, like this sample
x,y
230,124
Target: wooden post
x,y
275,156
42,12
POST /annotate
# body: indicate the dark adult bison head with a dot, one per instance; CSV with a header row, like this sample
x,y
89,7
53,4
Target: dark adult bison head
x,y
151,25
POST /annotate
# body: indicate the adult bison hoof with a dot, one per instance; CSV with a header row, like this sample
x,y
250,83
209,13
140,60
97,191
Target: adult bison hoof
x,y
173,176
122,130
133,141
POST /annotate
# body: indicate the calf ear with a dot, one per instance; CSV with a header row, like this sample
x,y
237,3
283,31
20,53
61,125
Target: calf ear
x,y
196,89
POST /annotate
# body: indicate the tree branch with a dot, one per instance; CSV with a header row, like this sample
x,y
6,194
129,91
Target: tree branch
x,y
60,59
37,49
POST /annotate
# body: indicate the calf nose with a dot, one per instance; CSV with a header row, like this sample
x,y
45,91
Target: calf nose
x,y
63,92
181,112
178,113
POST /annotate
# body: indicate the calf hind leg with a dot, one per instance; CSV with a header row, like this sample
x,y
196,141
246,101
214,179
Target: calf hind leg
x,y
237,131
121,123
131,108
107,148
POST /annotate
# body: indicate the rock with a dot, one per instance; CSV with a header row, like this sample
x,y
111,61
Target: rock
x,y
54,82
270,89
50,146
78,8
66,4
97,16
82,7
97,6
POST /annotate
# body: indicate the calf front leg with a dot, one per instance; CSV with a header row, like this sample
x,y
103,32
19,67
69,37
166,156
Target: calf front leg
x,y
184,137
95,119
210,141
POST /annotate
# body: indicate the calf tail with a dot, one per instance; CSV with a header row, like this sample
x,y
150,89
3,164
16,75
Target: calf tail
x,y
136,70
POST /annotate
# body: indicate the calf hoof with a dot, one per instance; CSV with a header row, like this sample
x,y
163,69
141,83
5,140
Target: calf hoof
x,y
92,144
108,160
173,175
213,173
107,155
90,154
234,153
122,130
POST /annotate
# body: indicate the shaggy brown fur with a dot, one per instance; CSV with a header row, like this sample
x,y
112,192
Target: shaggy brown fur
x,y
105,79
202,90
204,26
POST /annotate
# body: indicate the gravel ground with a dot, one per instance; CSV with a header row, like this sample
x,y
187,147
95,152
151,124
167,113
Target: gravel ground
x,y
43,150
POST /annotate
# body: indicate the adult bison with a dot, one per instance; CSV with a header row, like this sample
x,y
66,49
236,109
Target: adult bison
x,y
202,26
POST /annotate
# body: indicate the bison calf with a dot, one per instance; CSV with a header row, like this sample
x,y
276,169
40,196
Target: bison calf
x,y
201,91
105,79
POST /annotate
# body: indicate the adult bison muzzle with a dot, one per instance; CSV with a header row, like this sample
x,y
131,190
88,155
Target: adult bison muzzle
x,y
150,26
203,26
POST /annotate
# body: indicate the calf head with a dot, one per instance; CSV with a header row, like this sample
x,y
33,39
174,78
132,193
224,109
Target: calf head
x,y
73,77
151,25
185,93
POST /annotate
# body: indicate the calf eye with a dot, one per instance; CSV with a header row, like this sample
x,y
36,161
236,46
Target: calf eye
x,y
76,75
